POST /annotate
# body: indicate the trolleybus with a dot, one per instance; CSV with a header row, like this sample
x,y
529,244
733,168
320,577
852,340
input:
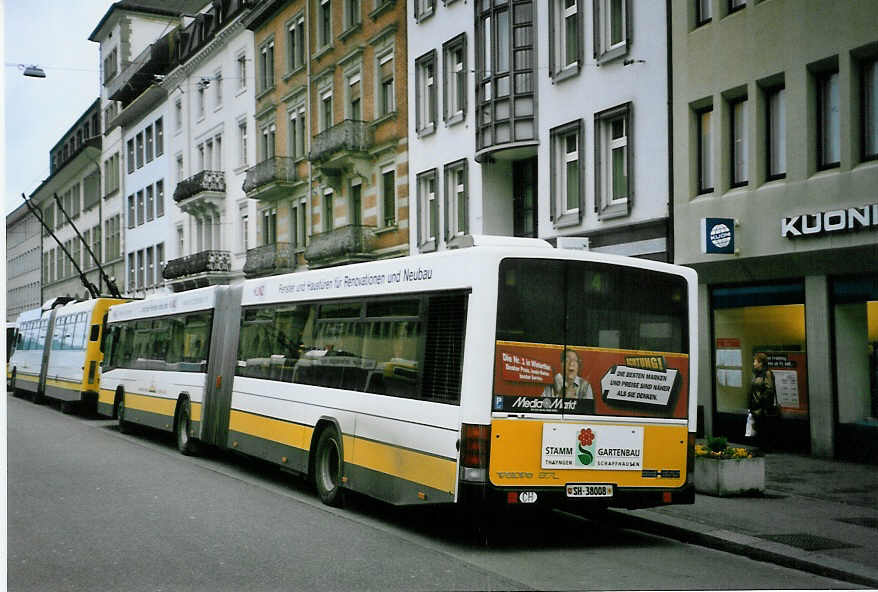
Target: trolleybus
x,y
509,372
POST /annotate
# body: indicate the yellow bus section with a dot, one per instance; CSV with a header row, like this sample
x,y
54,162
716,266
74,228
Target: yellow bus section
x,y
517,454
93,353
274,430
158,405
411,465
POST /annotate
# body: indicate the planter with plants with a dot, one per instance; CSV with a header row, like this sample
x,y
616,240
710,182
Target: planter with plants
x,y
725,470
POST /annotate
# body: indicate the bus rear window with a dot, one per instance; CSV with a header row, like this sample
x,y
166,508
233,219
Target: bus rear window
x,y
590,338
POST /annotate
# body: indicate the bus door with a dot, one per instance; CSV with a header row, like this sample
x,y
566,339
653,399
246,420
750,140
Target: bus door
x,y
221,366
46,330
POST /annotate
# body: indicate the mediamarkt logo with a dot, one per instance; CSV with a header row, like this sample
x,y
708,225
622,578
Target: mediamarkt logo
x,y
546,404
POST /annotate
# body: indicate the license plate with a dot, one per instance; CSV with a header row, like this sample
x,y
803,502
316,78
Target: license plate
x,y
590,490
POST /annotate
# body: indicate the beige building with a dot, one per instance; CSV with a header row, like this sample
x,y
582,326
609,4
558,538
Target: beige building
x,y
23,263
330,129
775,164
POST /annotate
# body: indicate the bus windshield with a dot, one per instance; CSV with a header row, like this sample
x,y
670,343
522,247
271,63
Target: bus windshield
x,y
590,338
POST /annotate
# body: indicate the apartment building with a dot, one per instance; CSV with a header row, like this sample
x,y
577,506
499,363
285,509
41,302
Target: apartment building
x,y
775,168
541,119
210,105
75,178
330,176
23,262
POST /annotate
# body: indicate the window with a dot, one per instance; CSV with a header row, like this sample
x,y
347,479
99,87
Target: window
x,y
267,144
140,269
75,201
567,174
111,64
324,23
352,11
703,119
160,198
456,200
96,242
266,66
386,102
77,254
326,110
828,131
112,240
132,222
703,12
150,202
297,132
869,101
613,182
130,145
736,5
132,273
160,262
150,266
149,144
298,231
454,53
611,29
111,174
328,212
388,194
218,89
565,37
242,143
776,131
425,89
269,226
159,137
140,208
180,241
424,8
200,100
242,71
355,98
296,44
178,115
244,226
738,173
428,209
356,203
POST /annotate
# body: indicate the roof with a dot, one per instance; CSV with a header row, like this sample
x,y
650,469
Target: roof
x,y
157,7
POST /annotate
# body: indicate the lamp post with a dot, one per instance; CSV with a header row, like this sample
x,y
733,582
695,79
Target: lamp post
x,y
33,71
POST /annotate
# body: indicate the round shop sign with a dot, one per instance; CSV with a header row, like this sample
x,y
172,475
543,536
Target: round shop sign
x,y
720,236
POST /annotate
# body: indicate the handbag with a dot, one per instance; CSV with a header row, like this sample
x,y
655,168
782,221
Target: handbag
x,y
750,429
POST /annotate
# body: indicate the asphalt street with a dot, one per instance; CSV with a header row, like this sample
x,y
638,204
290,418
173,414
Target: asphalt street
x,y
90,508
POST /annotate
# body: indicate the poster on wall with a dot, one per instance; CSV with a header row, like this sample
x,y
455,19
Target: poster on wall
x,y
534,378
790,379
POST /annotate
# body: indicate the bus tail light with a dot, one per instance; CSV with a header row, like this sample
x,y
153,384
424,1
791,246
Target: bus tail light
x,y
475,443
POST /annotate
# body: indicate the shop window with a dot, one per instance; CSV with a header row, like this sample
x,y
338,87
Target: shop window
x,y
855,315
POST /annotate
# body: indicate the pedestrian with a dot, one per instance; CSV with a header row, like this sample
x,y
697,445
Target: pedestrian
x,y
763,402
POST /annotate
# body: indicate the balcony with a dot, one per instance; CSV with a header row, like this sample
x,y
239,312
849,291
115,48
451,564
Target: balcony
x,y
271,179
343,149
348,244
270,260
205,268
202,191
156,60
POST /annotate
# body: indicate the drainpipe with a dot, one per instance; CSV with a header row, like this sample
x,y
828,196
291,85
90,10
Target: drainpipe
x,y
308,212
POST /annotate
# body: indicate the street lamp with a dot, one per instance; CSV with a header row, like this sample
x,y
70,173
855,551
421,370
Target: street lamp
x,y
32,71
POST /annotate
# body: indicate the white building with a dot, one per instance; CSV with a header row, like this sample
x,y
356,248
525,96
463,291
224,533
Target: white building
x,y
544,119
23,249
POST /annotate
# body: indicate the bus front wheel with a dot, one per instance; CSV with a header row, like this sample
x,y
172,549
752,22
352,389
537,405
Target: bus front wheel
x,y
185,444
327,468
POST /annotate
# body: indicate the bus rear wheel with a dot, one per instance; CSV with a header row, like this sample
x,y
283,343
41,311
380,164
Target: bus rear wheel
x,y
185,444
327,468
120,416
11,386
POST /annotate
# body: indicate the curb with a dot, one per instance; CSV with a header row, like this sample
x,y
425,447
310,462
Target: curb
x,y
741,544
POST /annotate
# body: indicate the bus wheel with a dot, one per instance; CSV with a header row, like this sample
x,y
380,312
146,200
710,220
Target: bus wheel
x,y
68,407
12,384
327,468
120,416
185,444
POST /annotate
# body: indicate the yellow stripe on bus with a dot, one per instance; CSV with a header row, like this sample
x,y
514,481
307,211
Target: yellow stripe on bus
x,y
107,396
438,473
27,377
151,404
195,411
64,384
276,430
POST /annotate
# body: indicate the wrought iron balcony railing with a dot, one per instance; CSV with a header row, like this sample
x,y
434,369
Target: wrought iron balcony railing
x,y
202,262
277,169
348,136
213,181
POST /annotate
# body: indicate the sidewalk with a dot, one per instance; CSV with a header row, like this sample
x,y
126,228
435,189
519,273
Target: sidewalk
x,y
816,515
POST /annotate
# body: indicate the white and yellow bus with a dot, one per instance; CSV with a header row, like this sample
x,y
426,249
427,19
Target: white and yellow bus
x,y
510,372
57,354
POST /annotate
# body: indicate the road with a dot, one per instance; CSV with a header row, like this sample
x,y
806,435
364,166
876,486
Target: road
x,y
90,508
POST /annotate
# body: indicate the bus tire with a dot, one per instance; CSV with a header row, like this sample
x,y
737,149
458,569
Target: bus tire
x,y
185,444
120,415
12,385
328,468
68,407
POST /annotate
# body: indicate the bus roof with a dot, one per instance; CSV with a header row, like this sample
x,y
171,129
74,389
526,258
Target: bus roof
x,y
166,304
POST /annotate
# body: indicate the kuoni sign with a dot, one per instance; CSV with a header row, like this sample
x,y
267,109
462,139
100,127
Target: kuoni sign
x,y
718,235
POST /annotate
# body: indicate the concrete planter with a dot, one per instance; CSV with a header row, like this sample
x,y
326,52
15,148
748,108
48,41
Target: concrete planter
x,y
726,477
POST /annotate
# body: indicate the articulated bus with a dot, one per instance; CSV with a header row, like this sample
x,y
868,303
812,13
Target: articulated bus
x,y
506,373
57,353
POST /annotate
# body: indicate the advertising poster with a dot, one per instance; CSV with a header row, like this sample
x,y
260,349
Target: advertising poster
x,y
790,380
532,378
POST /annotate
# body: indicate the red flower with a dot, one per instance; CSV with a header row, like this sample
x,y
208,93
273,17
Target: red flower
x,y
586,437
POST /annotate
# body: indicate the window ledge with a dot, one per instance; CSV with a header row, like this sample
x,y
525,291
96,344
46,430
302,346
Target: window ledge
x,y
419,18
293,72
241,168
567,72
240,91
321,52
611,55
455,119
383,118
386,229
616,210
262,94
427,130
349,31
428,246
569,219
379,10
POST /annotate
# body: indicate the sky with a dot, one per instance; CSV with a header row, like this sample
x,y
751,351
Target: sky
x,y
52,34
